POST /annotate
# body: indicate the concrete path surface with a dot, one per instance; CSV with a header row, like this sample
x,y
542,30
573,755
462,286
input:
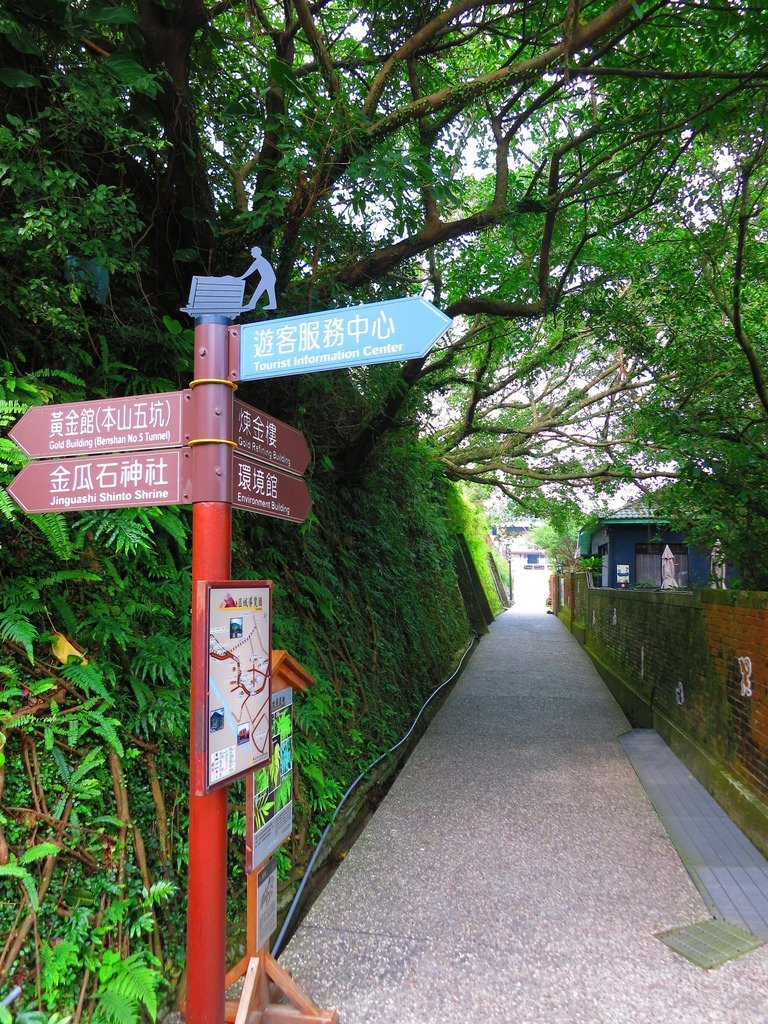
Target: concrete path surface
x,y
516,873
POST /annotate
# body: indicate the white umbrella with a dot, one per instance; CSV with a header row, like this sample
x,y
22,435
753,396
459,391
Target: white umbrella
x,y
668,579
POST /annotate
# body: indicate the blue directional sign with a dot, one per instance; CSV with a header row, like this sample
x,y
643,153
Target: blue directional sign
x,y
378,332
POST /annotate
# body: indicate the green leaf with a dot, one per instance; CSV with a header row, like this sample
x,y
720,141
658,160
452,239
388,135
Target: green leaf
x,y
126,986
18,629
39,852
18,36
14,871
56,532
185,255
218,39
282,74
131,74
16,79
115,1008
106,728
110,15
86,677
172,326
64,770
93,759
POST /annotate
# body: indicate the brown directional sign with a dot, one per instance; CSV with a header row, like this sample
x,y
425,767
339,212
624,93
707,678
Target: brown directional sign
x,y
105,425
268,440
159,477
268,491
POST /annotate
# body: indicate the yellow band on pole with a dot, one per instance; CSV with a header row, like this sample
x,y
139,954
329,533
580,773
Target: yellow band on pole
x,y
211,440
213,380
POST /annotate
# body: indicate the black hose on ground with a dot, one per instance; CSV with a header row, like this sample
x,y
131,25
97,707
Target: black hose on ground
x,y
278,943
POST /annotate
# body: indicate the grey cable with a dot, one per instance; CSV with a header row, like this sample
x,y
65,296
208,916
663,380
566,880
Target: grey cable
x,y
278,943
12,996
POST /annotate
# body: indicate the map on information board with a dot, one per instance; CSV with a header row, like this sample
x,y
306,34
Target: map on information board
x,y
239,655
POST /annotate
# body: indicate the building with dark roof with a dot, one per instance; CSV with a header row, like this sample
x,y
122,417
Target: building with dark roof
x,y
631,542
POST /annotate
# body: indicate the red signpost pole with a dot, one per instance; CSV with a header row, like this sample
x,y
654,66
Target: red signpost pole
x,y
211,560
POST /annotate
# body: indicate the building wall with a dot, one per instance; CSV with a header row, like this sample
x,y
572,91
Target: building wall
x,y
694,666
622,538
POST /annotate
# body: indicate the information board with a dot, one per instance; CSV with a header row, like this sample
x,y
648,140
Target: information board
x,y
269,791
266,903
239,628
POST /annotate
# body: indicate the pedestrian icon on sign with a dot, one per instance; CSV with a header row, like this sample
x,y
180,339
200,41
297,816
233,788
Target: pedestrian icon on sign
x,y
266,280
223,296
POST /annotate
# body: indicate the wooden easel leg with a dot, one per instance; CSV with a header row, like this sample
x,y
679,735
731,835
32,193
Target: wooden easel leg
x,y
305,1011
253,999
255,1006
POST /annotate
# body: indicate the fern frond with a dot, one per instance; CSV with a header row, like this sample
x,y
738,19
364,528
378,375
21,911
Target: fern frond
x,y
127,530
61,375
57,960
161,659
10,453
108,819
158,892
23,722
53,527
105,727
93,759
86,677
126,986
172,522
21,593
8,506
114,1007
10,408
62,613
14,871
19,630
39,852
61,763
67,576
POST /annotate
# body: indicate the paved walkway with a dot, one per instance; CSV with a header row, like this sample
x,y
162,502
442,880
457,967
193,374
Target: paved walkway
x,y
728,870
517,873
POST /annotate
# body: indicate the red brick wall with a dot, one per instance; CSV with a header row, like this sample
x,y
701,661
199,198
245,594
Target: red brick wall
x,y
735,632
677,655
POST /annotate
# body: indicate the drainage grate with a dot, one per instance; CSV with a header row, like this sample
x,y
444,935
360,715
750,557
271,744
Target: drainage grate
x,y
710,943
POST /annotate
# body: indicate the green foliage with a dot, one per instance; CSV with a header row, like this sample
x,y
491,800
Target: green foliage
x,y
468,517
124,599
126,986
559,538
13,870
595,260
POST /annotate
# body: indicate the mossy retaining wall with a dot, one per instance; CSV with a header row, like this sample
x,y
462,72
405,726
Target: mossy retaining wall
x,y
694,666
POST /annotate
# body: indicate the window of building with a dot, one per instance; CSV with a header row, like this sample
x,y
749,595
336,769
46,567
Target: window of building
x,y
603,553
648,563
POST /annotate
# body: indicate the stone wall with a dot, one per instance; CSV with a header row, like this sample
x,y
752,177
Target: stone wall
x,y
694,666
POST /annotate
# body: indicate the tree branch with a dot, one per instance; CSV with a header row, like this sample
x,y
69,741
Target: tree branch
x,y
583,36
